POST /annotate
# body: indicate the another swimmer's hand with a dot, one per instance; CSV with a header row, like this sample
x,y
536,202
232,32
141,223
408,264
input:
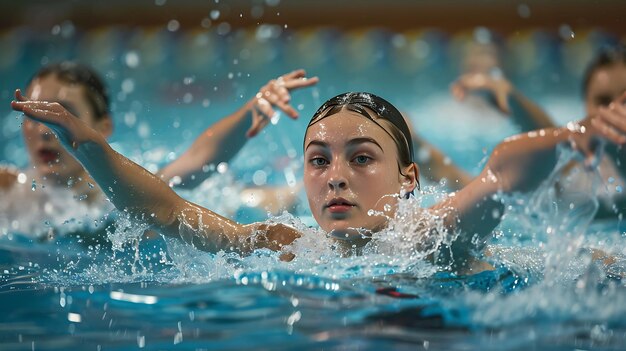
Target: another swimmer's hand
x,y
499,87
276,93
608,124
70,130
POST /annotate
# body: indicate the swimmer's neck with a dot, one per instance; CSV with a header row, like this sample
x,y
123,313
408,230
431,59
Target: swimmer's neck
x,y
352,241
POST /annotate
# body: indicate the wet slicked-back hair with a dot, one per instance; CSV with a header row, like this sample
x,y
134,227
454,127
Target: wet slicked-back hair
x,y
607,56
361,103
76,73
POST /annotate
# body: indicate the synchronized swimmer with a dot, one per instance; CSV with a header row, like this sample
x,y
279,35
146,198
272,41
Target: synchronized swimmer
x,y
358,158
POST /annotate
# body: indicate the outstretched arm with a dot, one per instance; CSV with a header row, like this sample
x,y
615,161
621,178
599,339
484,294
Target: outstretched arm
x,y
222,141
525,113
520,164
134,190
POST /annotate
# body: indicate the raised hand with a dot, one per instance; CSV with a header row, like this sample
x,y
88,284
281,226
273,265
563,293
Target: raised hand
x,y
276,93
499,87
608,124
70,130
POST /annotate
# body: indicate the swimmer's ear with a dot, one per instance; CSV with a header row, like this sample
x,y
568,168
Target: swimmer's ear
x,y
104,126
410,178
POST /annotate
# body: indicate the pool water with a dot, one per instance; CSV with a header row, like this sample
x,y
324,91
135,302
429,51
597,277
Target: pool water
x,y
111,291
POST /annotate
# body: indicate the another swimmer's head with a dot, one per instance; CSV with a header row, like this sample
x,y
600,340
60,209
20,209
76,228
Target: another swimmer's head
x,y
81,91
605,78
73,73
358,160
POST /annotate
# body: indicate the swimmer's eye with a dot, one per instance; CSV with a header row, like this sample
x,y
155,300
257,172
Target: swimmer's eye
x,y
361,159
318,161
603,100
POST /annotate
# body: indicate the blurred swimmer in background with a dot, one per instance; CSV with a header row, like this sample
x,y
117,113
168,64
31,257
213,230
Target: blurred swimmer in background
x,y
358,168
603,82
55,191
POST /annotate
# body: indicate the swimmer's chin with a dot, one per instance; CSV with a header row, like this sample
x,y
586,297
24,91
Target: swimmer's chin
x,y
350,234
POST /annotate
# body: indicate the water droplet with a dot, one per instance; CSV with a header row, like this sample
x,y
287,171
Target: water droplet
x,y
619,189
222,167
21,178
132,59
173,25
33,185
495,213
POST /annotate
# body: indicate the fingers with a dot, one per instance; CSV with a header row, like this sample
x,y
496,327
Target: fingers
x,y
41,111
502,100
17,106
258,123
301,82
264,106
608,131
614,115
19,96
297,79
276,94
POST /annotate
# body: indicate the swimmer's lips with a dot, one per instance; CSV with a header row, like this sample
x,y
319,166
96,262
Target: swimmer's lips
x,y
339,205
48,155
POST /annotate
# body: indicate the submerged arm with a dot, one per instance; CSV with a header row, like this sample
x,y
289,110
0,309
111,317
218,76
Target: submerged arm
x,y
222,141
134,190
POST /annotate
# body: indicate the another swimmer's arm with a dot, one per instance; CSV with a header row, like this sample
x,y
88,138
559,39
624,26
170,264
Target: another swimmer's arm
x,y
218,143
222,141
134,190
527,114
435,167
520,164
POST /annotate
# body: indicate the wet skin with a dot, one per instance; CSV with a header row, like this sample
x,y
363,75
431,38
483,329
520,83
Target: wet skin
x,y
47,156
606,85
351,167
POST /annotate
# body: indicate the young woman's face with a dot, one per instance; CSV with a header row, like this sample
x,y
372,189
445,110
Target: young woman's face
x,y
47,155
606,84
350,168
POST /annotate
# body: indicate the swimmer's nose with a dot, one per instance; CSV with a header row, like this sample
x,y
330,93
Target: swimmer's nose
x,y
45,132
336,184
336,177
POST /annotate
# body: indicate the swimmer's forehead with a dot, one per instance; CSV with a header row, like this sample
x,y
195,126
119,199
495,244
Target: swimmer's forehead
x,y
609,77
50,88
344,126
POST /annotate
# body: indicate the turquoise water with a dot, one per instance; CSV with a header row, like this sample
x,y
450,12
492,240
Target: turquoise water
x,y
120,294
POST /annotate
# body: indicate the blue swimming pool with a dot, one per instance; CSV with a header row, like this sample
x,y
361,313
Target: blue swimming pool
x,y
117,293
